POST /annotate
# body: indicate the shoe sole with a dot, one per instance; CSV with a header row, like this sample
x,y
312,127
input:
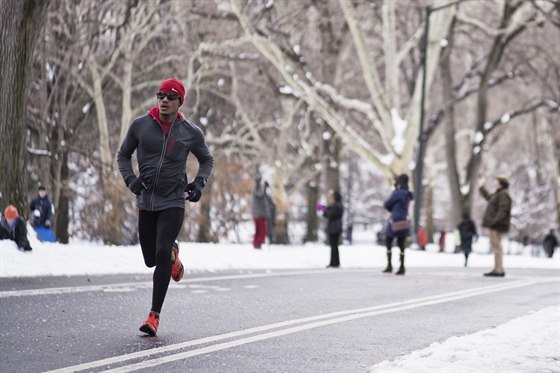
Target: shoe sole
x,y
148,330
180,275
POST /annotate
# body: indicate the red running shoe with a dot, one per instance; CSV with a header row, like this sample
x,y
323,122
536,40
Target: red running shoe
x,y
177,269
151,324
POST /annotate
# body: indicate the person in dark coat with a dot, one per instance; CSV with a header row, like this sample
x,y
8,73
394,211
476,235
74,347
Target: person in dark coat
x,y
496,219
261,212
333,212
549,243
14,228
397,205
41,209
467,231
162,140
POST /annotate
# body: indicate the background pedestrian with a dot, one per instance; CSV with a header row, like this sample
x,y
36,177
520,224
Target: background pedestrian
x,y
41,209
549,243
14,228
333,212
261,212
467,232
397,205
496,219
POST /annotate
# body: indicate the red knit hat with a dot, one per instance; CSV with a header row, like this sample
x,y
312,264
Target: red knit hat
x,y
173,86
11,212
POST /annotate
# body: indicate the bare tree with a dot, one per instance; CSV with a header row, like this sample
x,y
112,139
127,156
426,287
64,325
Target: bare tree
x,y
20,24
395,132
516,17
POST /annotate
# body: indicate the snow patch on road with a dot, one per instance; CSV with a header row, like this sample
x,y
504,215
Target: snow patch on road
x,y
527,344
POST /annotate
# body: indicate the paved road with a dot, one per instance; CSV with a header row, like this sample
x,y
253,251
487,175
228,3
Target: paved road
x,y
255,321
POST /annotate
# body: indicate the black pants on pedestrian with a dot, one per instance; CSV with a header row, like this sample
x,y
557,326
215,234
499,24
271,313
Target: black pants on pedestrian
x,y
400,243
333,242
157,231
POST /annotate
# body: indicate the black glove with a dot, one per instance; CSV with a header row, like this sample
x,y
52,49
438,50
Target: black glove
x,y
194,189
137,185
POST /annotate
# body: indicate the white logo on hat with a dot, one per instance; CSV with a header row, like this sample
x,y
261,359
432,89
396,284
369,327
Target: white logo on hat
x,y
174,90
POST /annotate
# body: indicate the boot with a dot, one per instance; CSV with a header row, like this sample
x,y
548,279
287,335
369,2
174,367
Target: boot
x,y
389,267
401,268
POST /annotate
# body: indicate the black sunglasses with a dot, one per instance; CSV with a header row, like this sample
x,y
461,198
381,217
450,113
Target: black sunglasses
x,y
170,96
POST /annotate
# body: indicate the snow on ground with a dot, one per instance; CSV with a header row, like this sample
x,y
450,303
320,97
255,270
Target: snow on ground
x,y
527,344
86,258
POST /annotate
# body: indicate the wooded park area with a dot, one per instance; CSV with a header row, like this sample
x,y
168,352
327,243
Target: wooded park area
x,y
312,94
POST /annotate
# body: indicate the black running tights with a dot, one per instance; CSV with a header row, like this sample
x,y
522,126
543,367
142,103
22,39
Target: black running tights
x,y
157,231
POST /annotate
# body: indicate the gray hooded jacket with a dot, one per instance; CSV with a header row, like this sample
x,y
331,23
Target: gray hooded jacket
x,y
260,202
162,160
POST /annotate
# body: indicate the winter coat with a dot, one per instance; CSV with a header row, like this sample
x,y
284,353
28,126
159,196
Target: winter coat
x,y
334,213
162,159
45,209
550,242
467,231
497,215
17,231
261,209
397,205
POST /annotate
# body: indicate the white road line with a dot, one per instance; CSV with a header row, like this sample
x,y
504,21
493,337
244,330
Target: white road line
x,y
142,285
309,323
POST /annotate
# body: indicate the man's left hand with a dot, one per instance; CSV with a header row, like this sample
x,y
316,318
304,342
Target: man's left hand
x,y
194,190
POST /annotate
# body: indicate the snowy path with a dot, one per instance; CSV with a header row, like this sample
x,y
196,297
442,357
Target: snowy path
x,y
297,321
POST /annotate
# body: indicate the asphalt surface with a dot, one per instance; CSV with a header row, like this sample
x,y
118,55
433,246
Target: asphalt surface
x,y
334,320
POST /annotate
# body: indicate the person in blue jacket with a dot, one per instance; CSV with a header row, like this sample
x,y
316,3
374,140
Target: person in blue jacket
x,y
41,209
397,205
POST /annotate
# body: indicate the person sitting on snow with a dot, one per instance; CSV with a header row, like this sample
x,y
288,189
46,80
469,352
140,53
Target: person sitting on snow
x,y
15,227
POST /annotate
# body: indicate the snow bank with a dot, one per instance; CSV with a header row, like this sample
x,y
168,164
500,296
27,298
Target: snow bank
x,y
527,344
86,258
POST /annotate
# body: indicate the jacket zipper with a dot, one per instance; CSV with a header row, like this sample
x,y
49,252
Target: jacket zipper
x,y
165,139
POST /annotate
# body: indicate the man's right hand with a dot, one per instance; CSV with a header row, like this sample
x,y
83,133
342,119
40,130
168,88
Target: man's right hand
x,y
481,180
137,185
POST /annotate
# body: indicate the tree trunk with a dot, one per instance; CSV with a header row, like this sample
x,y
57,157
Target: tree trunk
x,y
449,129
332,163
63,211
493,61
545,130
311,216
430,227
20,24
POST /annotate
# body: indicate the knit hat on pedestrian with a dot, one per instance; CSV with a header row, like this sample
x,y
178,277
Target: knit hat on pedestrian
x,y
503,181
173,85
11,212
